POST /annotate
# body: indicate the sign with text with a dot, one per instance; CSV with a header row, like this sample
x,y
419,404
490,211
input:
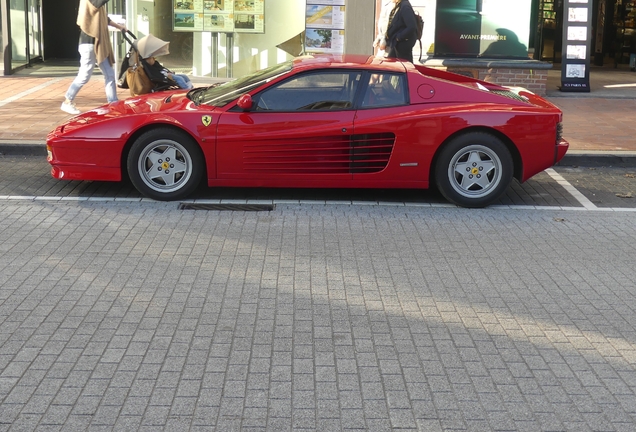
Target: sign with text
x,y
483,28
324,26
576,56
222,16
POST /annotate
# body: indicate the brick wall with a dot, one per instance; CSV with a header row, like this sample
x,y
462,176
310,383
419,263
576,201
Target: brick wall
x,y
535,80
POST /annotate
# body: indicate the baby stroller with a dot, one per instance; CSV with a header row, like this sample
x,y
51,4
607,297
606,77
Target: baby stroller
x,y
135,73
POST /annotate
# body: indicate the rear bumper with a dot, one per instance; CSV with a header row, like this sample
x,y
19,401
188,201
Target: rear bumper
x,y
561,149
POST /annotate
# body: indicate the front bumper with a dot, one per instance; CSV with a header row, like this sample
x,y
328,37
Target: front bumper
x,y
80,159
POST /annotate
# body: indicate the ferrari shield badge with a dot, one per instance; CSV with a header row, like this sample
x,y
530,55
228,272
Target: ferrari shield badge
x,y
206,120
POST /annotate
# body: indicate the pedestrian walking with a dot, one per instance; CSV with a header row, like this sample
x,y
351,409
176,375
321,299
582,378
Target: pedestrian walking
x,y
94,47
401,34
382,25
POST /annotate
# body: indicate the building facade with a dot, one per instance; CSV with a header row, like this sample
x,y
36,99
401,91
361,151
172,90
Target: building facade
x,y
229,38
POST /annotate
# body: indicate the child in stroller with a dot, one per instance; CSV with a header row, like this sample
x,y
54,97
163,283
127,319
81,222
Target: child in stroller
x,y
157,73
142,57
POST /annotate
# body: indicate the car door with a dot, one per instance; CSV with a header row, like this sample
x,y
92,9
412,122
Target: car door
x,y
296,134
387,128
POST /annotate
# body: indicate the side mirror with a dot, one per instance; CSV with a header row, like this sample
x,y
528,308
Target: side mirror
x,y
245,102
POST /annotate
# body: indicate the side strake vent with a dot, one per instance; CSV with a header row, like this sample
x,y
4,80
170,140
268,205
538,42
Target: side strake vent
x,y
370,153
227,207
344,154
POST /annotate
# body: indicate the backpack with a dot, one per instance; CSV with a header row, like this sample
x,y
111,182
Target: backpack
x,y
420,30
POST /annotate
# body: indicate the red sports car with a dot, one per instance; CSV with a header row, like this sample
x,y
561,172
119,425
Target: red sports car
x,y
319,122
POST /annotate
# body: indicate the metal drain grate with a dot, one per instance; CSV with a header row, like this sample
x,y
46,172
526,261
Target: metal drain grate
x,y
226,207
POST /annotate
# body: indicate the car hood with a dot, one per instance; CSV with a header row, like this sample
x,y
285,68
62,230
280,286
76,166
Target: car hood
x,y
153,103
144,104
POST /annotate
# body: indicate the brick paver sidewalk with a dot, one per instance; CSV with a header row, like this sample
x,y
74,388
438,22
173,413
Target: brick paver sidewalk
x,y
30,107
598,124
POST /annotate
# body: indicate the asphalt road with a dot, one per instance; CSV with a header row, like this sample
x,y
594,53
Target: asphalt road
x,y
336,310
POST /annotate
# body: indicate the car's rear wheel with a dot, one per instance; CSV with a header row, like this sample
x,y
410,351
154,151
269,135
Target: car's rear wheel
x,y
165,164
474,170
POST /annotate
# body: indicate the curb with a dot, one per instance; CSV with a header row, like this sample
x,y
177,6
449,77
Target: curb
x,y
23,149
599,159
572,158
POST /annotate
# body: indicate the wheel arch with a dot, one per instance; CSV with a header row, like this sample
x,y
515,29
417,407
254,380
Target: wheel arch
x,y
139,132
514,152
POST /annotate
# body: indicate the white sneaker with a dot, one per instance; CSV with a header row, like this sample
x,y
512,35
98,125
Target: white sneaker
x,y
69,107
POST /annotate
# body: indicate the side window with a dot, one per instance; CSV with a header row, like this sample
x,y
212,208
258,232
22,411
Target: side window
x,y
312,91
385,90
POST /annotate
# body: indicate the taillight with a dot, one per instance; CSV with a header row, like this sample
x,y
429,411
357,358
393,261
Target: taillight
x,y
559,132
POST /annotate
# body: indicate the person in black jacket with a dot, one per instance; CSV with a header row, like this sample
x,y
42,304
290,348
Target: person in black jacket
x,y
94,47
401,33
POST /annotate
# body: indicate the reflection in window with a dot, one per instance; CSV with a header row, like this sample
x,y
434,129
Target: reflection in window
x,y
311,92
385,90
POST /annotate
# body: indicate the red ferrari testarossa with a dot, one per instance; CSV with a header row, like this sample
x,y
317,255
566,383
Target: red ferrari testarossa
x,y
319,122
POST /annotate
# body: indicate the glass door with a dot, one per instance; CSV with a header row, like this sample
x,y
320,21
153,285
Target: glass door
x,y
26,34
19,40
34,30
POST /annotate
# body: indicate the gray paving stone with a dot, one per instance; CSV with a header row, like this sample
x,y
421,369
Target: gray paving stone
x,y
314,317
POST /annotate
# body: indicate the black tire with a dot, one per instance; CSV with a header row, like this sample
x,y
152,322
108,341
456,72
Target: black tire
x,y
474,170
165,164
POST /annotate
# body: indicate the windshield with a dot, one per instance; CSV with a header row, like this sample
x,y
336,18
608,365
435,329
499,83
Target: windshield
x,y
225,93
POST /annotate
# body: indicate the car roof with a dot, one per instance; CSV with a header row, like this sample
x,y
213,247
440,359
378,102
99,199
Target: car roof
x,y
326,61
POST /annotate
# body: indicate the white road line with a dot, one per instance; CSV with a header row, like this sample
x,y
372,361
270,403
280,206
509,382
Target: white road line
x,y
14,98
571,189
34,198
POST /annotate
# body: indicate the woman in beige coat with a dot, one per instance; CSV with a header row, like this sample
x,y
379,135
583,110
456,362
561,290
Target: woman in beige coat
x,y
94,47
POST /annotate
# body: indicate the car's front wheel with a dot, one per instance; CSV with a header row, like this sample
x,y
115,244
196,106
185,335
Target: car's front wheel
x,y
165,164
474,170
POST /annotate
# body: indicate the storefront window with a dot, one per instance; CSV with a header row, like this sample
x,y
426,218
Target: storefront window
x,y
483,28
276,37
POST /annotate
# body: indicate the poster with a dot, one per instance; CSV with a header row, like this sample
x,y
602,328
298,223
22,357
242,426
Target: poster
x,y
577,33
322,16
249,16
575,71
324,26
222,16
220,23
324,41
578,52
577,14
327,2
